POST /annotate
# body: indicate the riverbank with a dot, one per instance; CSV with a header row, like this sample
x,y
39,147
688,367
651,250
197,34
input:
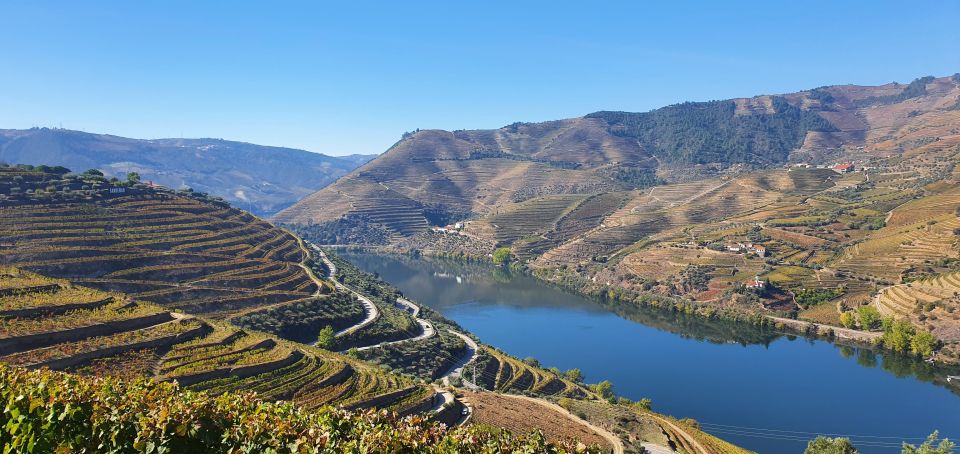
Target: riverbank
x,y
688,365
606,295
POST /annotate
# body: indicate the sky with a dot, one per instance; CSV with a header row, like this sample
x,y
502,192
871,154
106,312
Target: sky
x,y
351,77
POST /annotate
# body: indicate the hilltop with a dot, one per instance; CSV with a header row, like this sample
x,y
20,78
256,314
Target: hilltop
x,y
261,179
837,206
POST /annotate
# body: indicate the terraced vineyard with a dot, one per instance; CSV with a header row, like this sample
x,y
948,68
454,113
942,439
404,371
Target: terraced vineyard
x,y
177,251
895,249
499,372
932,303
535,216
59,325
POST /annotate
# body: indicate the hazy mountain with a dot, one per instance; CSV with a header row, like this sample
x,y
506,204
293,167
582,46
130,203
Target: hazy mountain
x,y
258,178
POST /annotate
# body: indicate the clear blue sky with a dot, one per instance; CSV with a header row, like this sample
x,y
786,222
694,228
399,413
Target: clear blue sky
x,y
351,77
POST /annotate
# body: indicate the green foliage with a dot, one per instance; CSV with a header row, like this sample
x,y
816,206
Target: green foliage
x,y
502,256
604,389
428,358
826,445
299,321
848,320
814,296
944,447
133,177
869,317
706,132
645,403
574,375
327,338
923,344
48,412
636,177
531,361
897,335
916,88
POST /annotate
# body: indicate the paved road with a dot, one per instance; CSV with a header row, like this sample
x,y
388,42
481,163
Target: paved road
x,y
372,313
456,370
413,308
428,331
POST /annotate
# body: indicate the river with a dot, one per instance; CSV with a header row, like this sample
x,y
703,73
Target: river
x,y
760,390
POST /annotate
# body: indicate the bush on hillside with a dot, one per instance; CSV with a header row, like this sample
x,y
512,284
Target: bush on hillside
x,y
54,412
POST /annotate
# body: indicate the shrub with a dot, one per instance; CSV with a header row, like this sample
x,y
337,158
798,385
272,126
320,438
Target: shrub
x,y
827,445
327,338
502,256
55,412
869,317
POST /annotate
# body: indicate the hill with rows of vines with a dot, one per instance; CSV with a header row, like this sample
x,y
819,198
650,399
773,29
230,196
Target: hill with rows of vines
x,y
435,178
108,278
661,206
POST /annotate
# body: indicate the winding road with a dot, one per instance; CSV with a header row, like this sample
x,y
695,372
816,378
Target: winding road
x,y
457,369
372,313
427,329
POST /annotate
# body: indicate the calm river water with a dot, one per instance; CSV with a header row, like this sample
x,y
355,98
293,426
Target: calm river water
x,y
763,391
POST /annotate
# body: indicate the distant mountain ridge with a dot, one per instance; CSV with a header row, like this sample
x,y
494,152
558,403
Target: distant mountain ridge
x,y
433,177
261,179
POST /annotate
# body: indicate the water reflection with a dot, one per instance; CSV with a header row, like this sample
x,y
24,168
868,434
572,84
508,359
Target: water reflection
x,y
719,372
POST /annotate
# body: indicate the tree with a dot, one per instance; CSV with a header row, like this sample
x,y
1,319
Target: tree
x,y
133,178
574,375
604,389
898,336
502,256
327,338
923,344
93,172
826,445
945,447
848,320
645,403
869,317
531,361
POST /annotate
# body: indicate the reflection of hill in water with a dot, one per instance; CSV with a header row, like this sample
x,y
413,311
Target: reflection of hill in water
x,y
692,327
451,282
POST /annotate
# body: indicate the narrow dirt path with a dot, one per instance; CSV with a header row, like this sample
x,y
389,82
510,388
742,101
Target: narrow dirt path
x,y
683,433
614,440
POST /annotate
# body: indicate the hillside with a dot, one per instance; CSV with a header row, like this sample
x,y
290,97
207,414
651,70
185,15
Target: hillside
x,y
107,414
258,178
434,178
103,278
672,206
